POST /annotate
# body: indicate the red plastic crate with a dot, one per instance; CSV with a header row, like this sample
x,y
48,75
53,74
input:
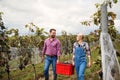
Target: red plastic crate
x,y
65,69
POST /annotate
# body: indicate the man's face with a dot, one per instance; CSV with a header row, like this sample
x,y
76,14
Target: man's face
x,y
53,34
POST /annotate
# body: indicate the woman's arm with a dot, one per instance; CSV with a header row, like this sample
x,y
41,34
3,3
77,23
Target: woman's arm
x,y
88,52
73,54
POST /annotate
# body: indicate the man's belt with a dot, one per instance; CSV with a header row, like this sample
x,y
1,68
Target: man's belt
x,y
51,55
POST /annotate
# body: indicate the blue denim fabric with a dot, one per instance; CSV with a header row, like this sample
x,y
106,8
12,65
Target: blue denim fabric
x,y
80,62
48,61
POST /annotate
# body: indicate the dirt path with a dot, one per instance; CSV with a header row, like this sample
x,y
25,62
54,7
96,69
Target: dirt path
x,y
41,77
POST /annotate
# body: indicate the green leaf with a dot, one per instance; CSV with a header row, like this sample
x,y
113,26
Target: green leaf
x,y
97,5
115,1
110,4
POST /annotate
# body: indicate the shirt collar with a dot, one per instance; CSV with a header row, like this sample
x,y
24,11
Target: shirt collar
x,y
80,44
53,39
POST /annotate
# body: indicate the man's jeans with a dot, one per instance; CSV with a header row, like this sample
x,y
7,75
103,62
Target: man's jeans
x,y
50,60
80,69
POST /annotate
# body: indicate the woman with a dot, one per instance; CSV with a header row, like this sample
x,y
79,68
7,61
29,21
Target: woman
x,y
80,50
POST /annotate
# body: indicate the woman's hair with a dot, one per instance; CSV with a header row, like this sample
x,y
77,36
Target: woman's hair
x,y
81,34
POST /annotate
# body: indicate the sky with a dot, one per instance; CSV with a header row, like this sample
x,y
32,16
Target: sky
x,y
63,15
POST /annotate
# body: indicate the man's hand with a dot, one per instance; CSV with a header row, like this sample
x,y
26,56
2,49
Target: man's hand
x,y
58,61
42,59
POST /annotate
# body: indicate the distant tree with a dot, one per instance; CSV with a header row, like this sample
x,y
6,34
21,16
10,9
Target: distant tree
x,y
35,40
39,34
67,42
95,18
13,39
4,48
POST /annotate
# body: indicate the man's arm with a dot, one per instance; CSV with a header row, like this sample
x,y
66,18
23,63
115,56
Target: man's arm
x,y
58,51
43,51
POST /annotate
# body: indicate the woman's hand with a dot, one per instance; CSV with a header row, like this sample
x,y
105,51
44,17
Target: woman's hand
x,y
89,64
73,63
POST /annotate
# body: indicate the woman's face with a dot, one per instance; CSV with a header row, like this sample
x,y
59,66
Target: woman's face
x,y
79,37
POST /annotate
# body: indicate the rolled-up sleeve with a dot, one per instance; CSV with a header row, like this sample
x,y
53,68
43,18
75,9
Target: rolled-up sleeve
x,y
88,52
44,48
73,50
58,48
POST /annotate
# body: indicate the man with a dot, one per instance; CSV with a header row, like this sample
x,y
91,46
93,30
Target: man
x,y
51,49
80,50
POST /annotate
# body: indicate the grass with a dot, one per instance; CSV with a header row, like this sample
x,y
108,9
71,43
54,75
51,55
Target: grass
x,y
25,74
28,74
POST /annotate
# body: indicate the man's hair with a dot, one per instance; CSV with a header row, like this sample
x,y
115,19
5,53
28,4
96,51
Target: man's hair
x,y
52,30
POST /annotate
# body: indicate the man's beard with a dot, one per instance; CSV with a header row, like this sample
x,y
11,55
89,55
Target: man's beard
x,y
52,36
